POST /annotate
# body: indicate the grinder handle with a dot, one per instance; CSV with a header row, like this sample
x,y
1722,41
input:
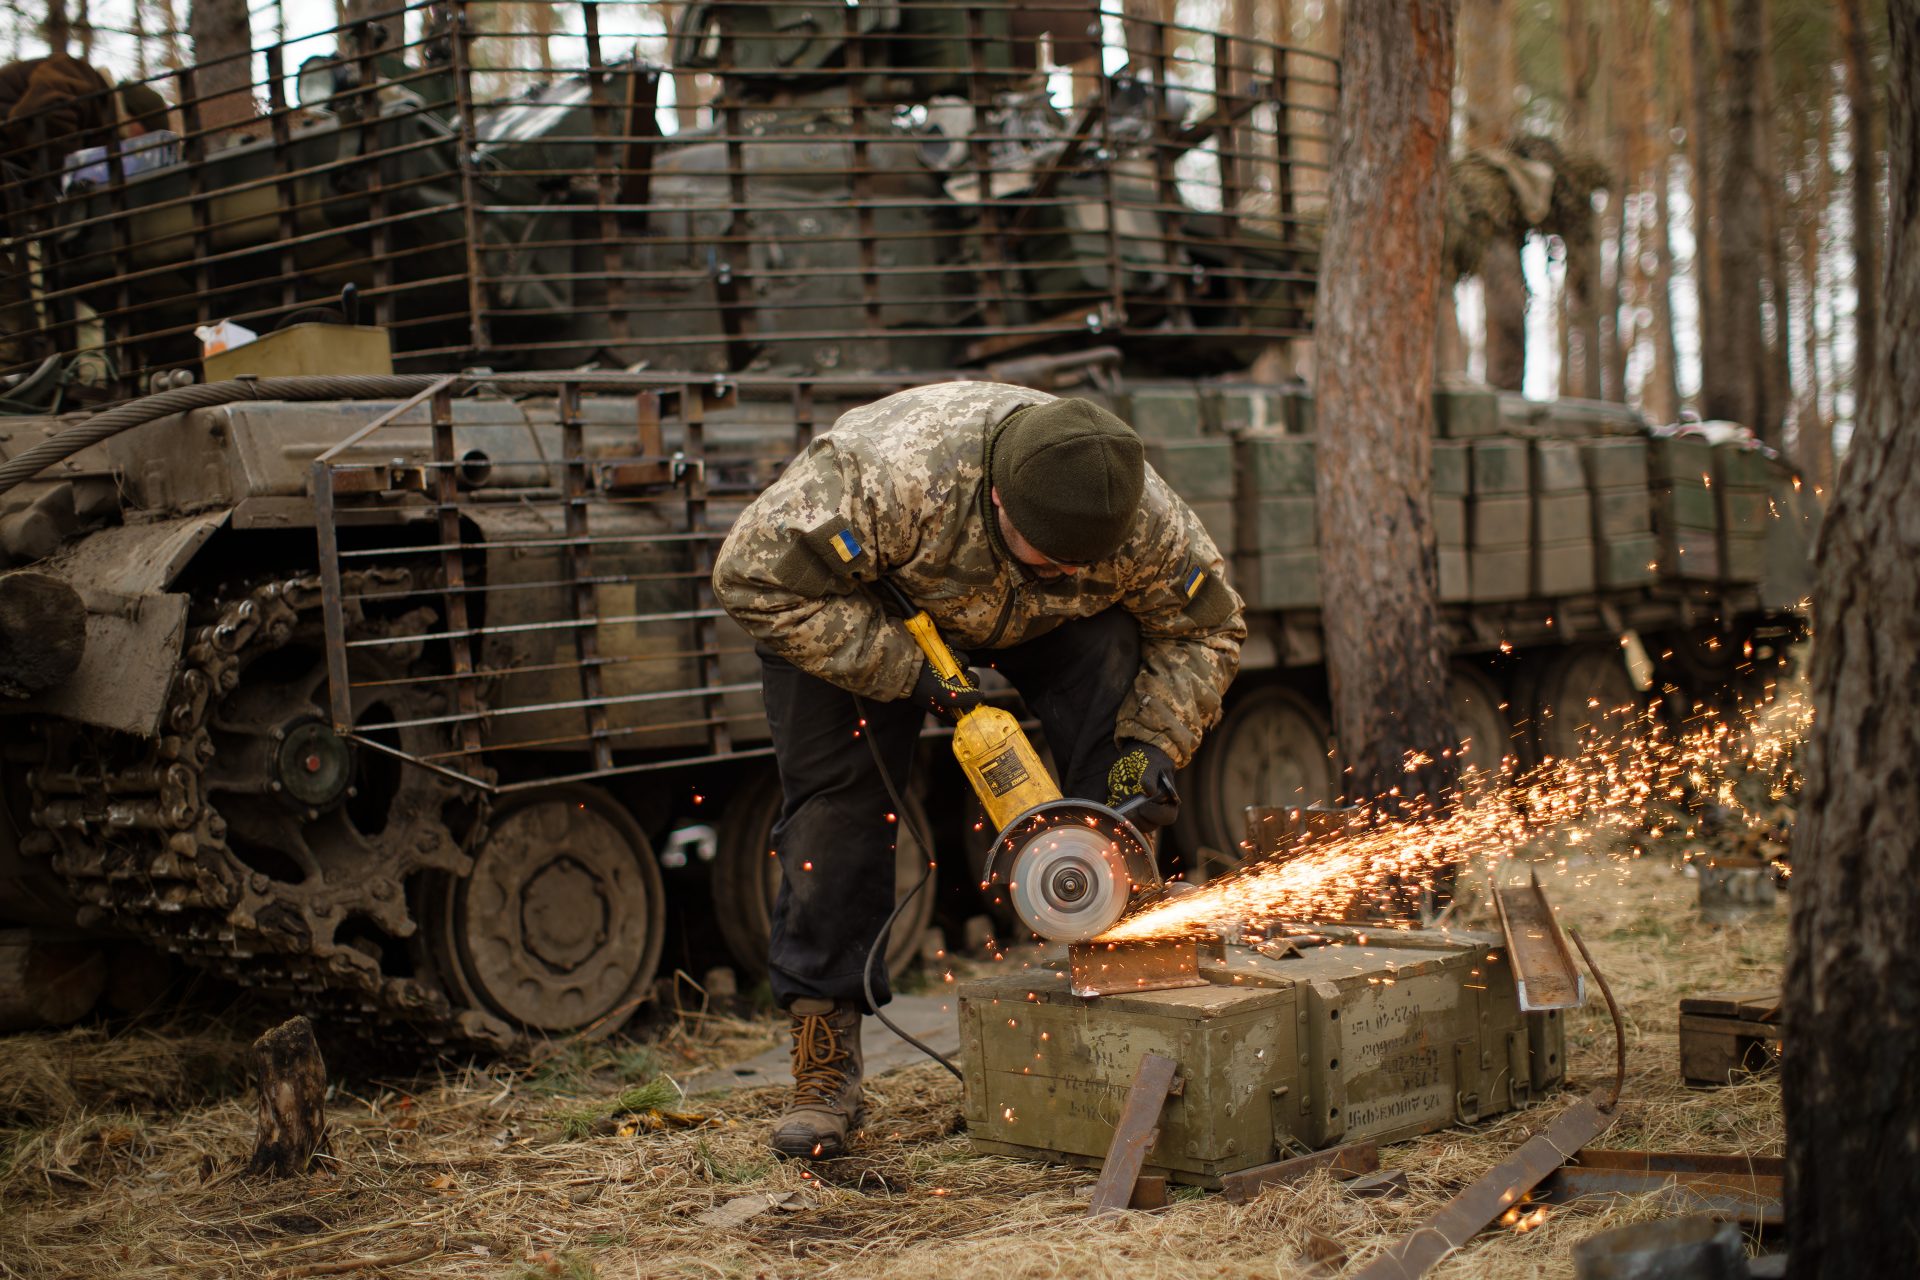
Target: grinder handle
x,y
925,634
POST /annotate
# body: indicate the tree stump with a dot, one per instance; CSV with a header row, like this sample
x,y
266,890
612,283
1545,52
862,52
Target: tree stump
x,y
293,1091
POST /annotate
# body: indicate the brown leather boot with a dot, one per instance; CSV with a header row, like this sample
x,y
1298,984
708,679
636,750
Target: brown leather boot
x,y
827,1107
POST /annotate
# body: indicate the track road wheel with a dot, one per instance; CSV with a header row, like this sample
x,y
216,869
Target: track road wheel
x,y
1270,749
558,928
1483,735
747,877
1578,694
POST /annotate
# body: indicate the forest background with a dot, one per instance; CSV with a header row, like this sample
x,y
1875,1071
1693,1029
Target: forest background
x,y
1718,132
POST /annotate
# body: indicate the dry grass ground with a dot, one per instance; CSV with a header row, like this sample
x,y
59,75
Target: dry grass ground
x,y
112,1157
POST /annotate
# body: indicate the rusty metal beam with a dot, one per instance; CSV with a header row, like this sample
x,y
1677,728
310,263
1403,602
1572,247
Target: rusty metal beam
x,y
1135,1133
1347,1161
1492,1194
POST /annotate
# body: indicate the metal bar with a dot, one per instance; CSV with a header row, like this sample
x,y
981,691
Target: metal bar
x,y
705,692
332,618
1110,968
578,558
1342,1162
461,48
1414,1254
453,571
706,630
1750,1188
1543,968
1134,1135
464,632
432,392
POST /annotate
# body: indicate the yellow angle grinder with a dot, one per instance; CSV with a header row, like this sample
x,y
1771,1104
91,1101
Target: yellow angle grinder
x,y
1069,868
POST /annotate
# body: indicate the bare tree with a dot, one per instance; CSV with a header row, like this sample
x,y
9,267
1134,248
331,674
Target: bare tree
x,y
222,35
1580,371
1735,383
1487,72
1865,207
1379,275
1853,1114
1700,164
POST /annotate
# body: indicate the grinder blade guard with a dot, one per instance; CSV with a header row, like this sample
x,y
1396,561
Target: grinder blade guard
x,y
1070,869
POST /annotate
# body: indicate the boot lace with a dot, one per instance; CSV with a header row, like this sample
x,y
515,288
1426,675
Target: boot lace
x,y
819,1066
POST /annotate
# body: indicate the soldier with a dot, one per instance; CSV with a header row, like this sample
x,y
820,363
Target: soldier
x,y
1036,536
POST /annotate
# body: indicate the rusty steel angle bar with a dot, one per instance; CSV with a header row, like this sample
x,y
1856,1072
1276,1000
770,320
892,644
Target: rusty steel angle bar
x,y
1348,1161
1750,1188
1135,1134
1414,1254
1543,968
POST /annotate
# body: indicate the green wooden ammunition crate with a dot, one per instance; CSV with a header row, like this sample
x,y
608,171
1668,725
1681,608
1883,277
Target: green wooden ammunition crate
x,y
1460,412
1450,521
1563,568
1277,464
1617,512
1684,505
1615,464
1557,467
1283,580
1450,472
1217,518
1680,459
1198,470
1166,413
1690,554
1455,585
1744,510
1286,524
1737,467
1238,409
1500,467
1743,557
1499,575
1333,1045
1296,405
1627,560
1496,523
1571,417
1562,517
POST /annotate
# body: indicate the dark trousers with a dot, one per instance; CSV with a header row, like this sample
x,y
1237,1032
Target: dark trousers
x,y
835,845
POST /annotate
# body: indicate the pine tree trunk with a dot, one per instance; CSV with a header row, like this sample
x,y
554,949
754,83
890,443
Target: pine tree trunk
x,y
1779,345
1580,375
58,30
222,37
1853,1113
1736,388
1380,267
1487,72
1700,164
1660,399
1851,29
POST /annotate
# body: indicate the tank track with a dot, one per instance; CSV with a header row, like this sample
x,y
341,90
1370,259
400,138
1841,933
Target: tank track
x,y
132,830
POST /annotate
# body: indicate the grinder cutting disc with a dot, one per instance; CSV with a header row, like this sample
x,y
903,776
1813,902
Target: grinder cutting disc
x,y
1070,869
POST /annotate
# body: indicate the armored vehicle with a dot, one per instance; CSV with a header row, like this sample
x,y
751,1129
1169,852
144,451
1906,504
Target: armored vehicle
x,y
375,663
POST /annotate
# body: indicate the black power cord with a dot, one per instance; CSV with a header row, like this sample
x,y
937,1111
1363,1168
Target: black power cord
x,y
879,947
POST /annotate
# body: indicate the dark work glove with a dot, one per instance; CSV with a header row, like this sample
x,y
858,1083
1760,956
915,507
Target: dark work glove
x,y
948,699
1144,770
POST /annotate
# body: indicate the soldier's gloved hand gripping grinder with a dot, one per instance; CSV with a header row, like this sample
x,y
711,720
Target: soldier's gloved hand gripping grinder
x,y
1069,868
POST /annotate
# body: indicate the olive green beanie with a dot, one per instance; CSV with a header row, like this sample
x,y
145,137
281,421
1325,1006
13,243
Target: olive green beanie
x,y
1069,475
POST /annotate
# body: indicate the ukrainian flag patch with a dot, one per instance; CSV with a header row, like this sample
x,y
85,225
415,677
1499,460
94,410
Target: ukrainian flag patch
x,y
1196,578
846,545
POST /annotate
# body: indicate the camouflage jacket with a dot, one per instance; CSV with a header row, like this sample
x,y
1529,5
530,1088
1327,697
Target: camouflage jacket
x,y
899,489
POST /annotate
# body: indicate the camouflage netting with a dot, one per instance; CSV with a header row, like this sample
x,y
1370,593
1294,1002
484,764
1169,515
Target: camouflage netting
x,y
1490,199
